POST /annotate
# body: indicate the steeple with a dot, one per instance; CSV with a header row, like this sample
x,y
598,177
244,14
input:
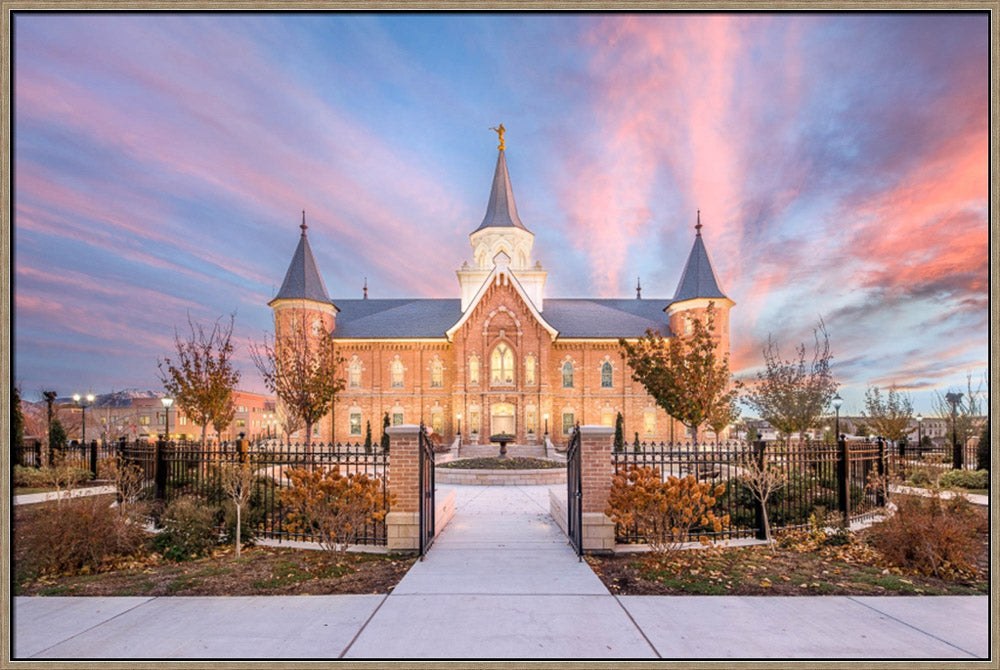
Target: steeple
x,y
698,279
302,280
501,211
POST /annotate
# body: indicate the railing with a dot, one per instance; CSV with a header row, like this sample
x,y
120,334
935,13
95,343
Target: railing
x,y
187,469
816,479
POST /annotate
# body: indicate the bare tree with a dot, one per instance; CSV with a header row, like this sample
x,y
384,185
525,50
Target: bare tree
x,y
237,482
967,410
761,478
202,378
792,395
301,369
685,373
288,421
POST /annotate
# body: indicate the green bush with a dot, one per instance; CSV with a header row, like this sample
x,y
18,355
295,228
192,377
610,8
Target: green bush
x,y
44,477
188,529
78,534
966,479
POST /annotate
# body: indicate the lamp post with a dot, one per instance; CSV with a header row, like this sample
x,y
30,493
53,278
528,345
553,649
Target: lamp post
x,y
920,433
837,402
167,402
546,417
956,453
83,404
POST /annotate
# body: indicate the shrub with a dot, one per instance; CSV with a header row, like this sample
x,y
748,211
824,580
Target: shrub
x,y
57,440
933,536
83,533
666,512
188,529
333,506
50,476
966,479
923,476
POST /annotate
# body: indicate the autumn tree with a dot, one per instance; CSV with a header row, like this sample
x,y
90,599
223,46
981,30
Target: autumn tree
x,y
723,415
202,377
223,415
685,374
301,370
792,394
887,415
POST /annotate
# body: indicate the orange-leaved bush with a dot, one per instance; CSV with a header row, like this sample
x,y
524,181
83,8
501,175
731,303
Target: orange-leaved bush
x,y
334,506
666,512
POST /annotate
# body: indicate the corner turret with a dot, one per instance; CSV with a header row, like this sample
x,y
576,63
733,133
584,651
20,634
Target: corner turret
x,y
302,300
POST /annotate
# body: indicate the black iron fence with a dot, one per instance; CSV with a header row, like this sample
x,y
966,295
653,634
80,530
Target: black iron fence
x,y
175,469
86,456
819,478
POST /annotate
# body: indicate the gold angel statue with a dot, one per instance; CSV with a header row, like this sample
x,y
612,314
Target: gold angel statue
x,y
499,131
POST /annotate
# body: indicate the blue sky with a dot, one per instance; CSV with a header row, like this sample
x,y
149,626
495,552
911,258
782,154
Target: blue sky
x,y
840,163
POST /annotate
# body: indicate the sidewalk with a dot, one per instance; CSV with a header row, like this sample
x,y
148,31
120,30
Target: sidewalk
x,y
501,582
32,498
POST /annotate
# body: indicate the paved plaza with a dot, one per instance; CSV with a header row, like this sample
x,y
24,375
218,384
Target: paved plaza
x,y
501,582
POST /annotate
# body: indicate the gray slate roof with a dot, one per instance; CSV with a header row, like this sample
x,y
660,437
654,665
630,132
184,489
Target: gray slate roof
x,y
431,317
698,279
501,211
303,279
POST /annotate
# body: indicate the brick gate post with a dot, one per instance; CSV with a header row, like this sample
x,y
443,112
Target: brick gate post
x,y
402,523
596,470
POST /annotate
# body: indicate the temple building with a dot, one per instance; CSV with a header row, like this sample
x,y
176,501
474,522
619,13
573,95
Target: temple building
x,y
500,356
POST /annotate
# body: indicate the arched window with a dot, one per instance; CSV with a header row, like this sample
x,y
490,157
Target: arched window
x,y
606,375
529,371
567,375
354,374
396,374
502,365
437,374
474,369
317,327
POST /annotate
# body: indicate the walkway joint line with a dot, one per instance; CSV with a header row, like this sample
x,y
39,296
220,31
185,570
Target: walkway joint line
x,y
636,624
364,625
909,625
96,625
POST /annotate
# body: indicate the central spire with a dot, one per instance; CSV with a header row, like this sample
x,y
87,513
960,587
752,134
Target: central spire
x,y
501,210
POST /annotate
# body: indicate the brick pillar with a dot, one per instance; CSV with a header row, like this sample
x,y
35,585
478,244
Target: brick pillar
x,y
402,523
596,471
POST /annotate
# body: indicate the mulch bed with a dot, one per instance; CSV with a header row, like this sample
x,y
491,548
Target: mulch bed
x,y
789,568
259,571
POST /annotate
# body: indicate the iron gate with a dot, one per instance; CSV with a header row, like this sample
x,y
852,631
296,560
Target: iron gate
x,y
574,496
426,450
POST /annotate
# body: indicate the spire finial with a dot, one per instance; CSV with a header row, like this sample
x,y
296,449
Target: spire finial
x,y
303,226
698,225
638,289
500,131
366,288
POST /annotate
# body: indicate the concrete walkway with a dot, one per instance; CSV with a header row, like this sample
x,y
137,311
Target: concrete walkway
x,y
500,583
47,496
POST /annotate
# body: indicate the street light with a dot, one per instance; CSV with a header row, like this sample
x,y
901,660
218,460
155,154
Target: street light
x,y
956,453
83,404
167,402
920,435
837,402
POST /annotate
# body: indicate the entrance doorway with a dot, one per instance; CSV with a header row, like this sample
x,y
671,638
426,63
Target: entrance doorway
x,y
503,419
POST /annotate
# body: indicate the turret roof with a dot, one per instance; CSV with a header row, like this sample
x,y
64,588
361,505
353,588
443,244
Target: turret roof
x,y
303,280
501,211
698,279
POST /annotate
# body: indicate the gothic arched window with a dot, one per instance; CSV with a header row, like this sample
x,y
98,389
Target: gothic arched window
x,y
502,365
606,375
567,375
529,371
354,374
474,370
437,374
396,373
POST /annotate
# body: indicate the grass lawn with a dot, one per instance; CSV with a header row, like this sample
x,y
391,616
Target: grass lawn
x,y
496,463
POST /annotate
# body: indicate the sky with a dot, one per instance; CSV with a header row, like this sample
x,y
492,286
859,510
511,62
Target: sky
x,y
839,162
